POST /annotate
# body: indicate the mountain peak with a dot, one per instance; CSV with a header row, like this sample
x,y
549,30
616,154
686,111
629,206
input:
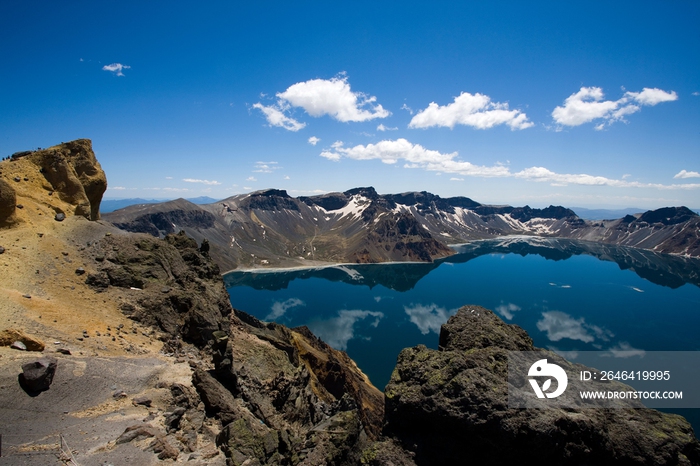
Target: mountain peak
x,y
668,215
368,192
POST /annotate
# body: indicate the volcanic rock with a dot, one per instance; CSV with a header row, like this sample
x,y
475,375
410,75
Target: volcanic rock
x,y
196,304
136,432
37,376
444,404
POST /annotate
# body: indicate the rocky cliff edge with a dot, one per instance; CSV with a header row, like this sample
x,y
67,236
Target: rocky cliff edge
x,y
450,406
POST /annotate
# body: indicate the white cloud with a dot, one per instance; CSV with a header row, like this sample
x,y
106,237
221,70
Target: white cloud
x,y
116,188
207,182
341,329
275,117
456,179
266,167
652,96
542,174
687,174
313,140
286,177
474,110
381,127
168,177
407,108
696,93
279,308
417,156
588,105
333,97
507,310
428,318
116,68
251,178
559,325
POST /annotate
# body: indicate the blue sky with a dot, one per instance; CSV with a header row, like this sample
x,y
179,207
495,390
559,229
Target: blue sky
x,y
592,104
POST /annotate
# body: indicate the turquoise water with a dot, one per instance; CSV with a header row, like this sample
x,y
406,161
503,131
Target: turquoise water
x,y
567,295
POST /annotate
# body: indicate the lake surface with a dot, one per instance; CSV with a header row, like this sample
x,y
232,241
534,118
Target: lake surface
x,y
568,295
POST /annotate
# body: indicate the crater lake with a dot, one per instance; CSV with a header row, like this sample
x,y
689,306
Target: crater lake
x,y
568,295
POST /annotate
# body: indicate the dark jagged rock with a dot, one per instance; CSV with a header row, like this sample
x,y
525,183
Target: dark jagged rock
x,y
426,202
447,403
668,215
164,449
168,221
331,201
272,199
137,432
218,400
37,376
368,192
284,397
196,304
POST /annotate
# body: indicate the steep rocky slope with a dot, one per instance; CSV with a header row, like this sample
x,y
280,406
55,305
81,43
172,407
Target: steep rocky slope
x,y
271,229
152,362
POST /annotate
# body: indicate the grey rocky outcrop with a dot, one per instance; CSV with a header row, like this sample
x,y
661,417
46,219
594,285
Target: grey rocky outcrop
x,y
196,304
450,406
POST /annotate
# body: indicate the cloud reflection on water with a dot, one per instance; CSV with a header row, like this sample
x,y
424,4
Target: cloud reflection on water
x,y
507,310
337,331
428,318
559,325
279,308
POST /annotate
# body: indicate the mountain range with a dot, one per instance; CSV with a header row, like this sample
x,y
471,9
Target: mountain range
x,y
269,228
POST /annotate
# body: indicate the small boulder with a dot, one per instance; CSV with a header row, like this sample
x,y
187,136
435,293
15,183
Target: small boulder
x,y
37,376
142,401
164,449
79,271
137,432
60,217
172,419
18,345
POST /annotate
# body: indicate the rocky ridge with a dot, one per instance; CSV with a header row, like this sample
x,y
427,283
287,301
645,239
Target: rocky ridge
x,y
443,403
271,229
158,367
